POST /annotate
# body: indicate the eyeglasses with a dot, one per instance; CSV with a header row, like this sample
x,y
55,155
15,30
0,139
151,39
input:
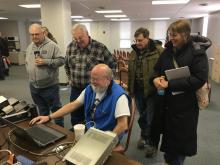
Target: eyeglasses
x,y
34,34
78,39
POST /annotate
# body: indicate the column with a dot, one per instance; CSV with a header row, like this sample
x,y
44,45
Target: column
x,y
56,16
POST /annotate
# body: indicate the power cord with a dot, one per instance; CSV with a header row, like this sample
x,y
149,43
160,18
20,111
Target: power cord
x,y
10,133
61,148
58,150
10,157
5,141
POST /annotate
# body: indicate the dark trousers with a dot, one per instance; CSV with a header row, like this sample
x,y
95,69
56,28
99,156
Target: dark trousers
x,y
47,99
173,159
145,106
2,69
77,116
158,120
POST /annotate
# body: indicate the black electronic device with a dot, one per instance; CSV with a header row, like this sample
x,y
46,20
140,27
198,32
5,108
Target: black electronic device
x,y
22,105
3,102
37,53
28,113
40,135
13,101
6,110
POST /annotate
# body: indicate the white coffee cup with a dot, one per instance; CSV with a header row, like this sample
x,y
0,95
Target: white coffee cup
x,y
79,130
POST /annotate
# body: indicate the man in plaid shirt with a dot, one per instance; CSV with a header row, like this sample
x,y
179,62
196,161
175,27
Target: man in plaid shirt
x,y
83,53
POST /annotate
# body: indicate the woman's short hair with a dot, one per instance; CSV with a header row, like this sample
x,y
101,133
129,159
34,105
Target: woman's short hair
x,y
180,26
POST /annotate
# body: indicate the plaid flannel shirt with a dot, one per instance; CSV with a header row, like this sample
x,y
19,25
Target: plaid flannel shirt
x,y
79,62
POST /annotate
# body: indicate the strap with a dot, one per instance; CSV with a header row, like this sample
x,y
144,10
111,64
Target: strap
x,y
175,63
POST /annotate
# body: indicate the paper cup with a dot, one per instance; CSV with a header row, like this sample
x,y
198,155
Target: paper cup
x,y
79,130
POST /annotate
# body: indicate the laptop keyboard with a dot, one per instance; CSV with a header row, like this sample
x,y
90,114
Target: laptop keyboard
x,y
41,135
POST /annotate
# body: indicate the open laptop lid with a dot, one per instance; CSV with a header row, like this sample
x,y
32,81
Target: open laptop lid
x,y
23,133
18,130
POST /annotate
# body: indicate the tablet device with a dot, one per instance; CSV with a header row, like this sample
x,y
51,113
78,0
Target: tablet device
x,y
181,72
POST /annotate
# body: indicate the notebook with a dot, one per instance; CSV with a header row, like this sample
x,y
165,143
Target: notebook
x,y
93,148
41,135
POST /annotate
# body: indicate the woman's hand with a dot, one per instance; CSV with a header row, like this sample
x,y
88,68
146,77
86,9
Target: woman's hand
x,y
39,120
160,82
164,83
157,82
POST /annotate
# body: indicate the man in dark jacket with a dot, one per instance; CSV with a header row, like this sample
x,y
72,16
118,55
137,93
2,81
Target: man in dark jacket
x,y
141,61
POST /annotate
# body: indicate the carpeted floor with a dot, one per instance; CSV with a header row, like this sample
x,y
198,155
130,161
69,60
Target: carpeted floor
x,y
16,85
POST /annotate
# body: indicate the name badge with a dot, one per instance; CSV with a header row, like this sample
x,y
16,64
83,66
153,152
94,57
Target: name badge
x,y
44,52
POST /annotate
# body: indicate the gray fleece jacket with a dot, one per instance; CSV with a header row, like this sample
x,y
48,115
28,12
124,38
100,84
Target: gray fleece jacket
x,y
44,75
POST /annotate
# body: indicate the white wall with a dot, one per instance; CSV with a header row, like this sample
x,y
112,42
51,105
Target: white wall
x,y
196,25
214,32
9,28
16,28
22,31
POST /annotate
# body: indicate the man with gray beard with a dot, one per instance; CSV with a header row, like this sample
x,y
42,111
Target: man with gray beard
x,y
105,103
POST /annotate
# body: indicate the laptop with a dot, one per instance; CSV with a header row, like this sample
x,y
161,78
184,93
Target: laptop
x,y
41,135
181,72
93,148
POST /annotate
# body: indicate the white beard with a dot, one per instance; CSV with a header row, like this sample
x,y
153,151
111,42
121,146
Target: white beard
x,y
98,89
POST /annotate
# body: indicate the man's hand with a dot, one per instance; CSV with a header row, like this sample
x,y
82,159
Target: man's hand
x,y
70,82
39,120
39,61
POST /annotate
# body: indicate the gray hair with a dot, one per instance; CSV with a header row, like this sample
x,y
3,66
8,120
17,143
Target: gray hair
x,y
79,26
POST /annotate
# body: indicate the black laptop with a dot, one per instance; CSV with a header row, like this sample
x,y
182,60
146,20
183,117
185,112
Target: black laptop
x,y
41,135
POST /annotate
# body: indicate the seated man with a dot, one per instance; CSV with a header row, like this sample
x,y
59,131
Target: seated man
x,y
105,102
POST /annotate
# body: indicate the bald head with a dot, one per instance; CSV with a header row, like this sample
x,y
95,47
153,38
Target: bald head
x,y
103,70
36,33
101,76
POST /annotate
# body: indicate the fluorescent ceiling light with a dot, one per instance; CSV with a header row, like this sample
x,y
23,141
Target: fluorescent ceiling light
x,y
169,2
3,18
83,20
198,15
120,19
115,16
108,11
30,5
164,18
77,16
212,8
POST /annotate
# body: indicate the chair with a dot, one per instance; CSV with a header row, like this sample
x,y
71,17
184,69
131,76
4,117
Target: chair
x,y
120,64
122,148
124,55
123,77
